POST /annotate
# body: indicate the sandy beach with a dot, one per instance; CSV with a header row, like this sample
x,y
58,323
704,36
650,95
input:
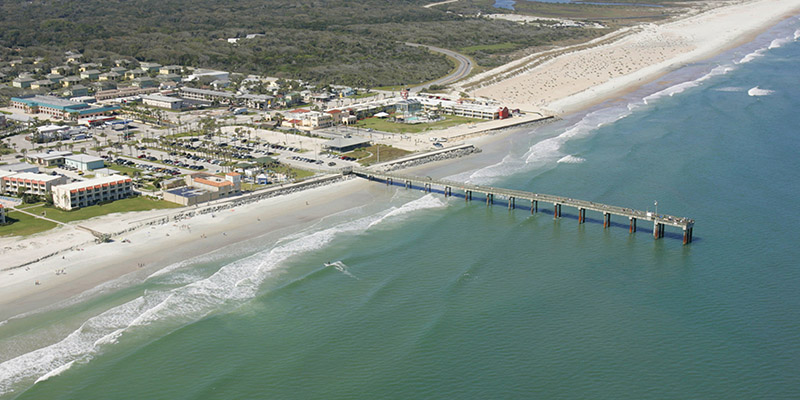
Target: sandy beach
x,y
579,79
564,84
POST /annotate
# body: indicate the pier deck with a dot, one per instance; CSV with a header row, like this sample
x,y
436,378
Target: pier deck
x,y
513,196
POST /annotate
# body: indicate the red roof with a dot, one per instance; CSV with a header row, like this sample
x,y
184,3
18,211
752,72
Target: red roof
x,y
232,174
300,110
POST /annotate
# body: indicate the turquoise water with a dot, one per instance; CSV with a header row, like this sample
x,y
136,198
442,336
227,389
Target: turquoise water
x,y
434,298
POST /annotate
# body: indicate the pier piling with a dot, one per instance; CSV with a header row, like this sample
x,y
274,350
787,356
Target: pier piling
x,y
659,220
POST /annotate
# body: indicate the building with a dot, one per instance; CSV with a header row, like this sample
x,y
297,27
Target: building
x,y
134,73
92,191
408,107
42,84
122,92
207,95
59,107
77,91
207,73
33,183
49,158
70,81
19,167
22,82
155,100
187,196
343,145
84,162
256,101
91,74
170,69
230,184
55,78
148,66
144,82
110,76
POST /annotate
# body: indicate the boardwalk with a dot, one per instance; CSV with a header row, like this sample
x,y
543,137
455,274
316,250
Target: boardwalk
x,y
514,196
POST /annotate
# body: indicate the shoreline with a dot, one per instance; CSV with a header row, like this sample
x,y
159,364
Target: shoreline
x,y
89,266
578,80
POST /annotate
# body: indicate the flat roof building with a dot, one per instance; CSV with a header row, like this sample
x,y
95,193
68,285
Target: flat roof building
x,y
33,183
92,191
59,107
155,100
84,162
48,158
344,145
19,167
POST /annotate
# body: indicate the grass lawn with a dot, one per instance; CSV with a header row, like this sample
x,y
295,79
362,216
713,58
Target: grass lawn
x,y
369,155
384,125
246,186
24,225
130,204
302,173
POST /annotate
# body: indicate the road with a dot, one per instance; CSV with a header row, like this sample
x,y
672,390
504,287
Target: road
x,y
461,72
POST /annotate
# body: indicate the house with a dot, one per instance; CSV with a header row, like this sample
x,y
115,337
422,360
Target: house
x,y
70,80
148,66
23,82
119,70
144,82
90,74
73,57
174,78
170,69
110,76
54,77
77,91
61,69
88,66
42,84
83,162
202,187
134,73
92,191
207,73
256,101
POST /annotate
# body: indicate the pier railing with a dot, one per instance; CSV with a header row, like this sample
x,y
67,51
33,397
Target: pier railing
x,y
513,196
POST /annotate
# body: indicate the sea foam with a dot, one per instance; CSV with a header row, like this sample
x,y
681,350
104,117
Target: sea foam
x,y
570,159
234,282
756,91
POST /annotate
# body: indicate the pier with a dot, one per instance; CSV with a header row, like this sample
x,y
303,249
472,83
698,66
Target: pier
x,y
519,199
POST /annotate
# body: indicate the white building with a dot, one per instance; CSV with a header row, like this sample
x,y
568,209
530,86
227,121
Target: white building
x,y
155,100
84,162
38,184
210,73
93,191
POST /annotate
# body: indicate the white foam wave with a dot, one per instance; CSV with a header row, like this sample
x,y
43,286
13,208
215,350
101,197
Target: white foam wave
x,y
756,91
236,281
797,34
683,86
55,372
570,159
342,267
730,89
778,43
752,56
426,202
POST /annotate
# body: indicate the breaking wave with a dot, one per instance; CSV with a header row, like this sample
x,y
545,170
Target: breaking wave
x,y
570,159
756,91
232,284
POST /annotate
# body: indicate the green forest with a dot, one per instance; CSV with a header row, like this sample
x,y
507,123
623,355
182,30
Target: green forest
x,y
358,43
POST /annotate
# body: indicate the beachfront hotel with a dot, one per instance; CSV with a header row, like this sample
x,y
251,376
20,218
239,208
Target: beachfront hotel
x,y
202,187
93,191
32,183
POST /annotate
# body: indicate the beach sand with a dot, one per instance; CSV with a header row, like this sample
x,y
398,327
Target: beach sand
x,y
577,80
564,84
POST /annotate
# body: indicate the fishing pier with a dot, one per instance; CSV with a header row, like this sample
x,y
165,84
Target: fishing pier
x,y
519,199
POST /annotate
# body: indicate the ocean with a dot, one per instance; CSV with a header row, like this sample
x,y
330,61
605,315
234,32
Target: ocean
x,y
428,297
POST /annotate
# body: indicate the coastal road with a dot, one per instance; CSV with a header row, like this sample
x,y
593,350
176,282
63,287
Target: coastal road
x,y
463,69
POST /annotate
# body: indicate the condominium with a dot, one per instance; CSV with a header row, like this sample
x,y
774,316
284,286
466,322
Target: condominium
x,y
32,183
93,191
